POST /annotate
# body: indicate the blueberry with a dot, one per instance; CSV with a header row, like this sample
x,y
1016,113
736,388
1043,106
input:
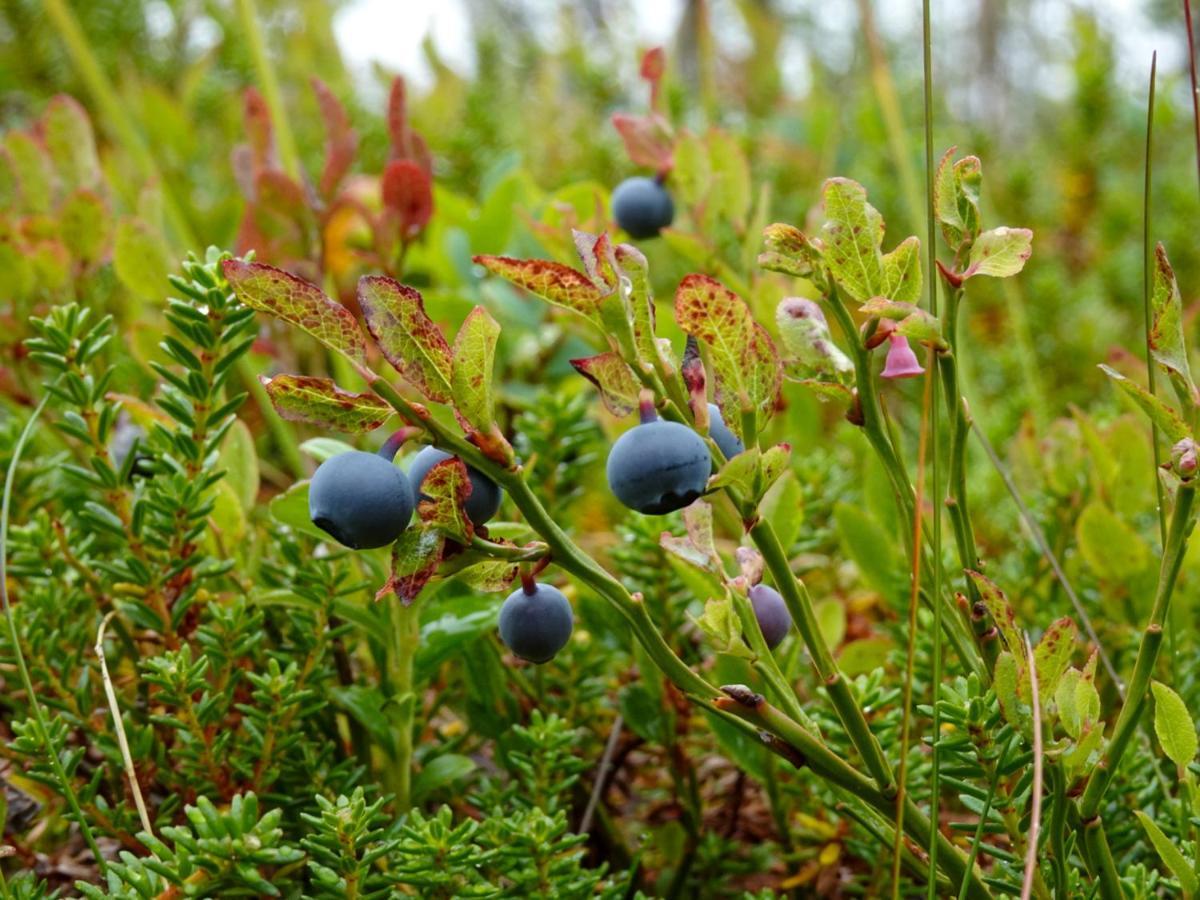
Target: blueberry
x,y
658,467
731,445
536,622
360,499
485,496
772,614
642,207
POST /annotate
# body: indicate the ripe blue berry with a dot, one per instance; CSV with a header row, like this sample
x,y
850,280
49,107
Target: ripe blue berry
x,y
536,622
642,207
360,499
485,496
772,614
731,445
658,467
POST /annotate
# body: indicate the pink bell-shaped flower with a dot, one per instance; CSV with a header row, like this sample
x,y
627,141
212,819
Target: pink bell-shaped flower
x,y
901,361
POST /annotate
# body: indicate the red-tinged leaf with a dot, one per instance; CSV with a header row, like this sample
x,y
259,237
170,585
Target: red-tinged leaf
x,y
654,63
648,139
471,379
341,142
599,260
745,365
320,402
276,191
410,340
1167,343
617,383
258,130
295,300
408,194
553,282
82,227
416,556
241,160
788,250
443,494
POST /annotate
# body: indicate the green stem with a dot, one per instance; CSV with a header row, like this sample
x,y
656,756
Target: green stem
x,y
39,714
252,32
404,633
1058,830
803,748
1139,684
799,604
1101,859
977,840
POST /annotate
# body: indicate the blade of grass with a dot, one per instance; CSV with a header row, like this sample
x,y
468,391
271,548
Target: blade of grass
x,y
1147,286
269,83
1035,817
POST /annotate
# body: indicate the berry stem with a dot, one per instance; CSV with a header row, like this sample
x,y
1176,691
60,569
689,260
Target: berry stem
x,y
395,441
646,411
528,583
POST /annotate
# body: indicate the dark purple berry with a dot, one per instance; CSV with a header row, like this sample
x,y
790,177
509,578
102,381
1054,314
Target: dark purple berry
x,y
642,207
360,499
536,623
485,496
731,445
658,467
772,614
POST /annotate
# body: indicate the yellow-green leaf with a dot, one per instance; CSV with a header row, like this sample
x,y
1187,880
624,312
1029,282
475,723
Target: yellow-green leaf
x,y
1167,419
1174,726
1170,854
410,340
1111,547
320,402
999,252
617,383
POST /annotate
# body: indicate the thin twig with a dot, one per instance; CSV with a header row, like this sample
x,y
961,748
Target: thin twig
x,y
1035,819
1147,287
610,749
1187,14
1039,538
119,727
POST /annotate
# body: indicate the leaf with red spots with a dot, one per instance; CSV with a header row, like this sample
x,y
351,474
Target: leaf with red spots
x,y
553,282
599,258
416,556
956,198
341,142
788,250
409,339
1167,343
852,234
1052,655
320,402
294,300
471,377
616,381
443,493
1000,610
648,139
408,195
745,366
999,252
489,575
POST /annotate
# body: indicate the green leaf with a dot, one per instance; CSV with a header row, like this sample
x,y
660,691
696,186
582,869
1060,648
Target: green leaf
x,y
489,575
872,549
320,402
807,342
902,271
553,282
634,267
443,493
140,259
291,508
745,366
852,236
1111,547
699,547
788,250
474,360
729,189
1006,680
1078,702
239,459
441,772
721,624
294,300
324,448
831,619
1000,610
1170,854
1052,655
956,198
1167,343
914,322
738,472
412,343
415,557
774,463
1167,419
999,252
83,226
31,169
67,134
617,383
1174,726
